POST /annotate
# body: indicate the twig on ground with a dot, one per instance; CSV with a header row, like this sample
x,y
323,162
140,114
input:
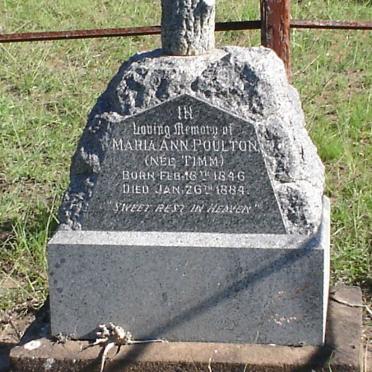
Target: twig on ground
x,y
19,335
112,335
306,67
8,321
369,311
210,365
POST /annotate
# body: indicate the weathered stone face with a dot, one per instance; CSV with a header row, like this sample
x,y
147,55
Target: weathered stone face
x,y
248,83
184,166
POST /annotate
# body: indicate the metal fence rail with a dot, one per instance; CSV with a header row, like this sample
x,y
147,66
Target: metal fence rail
x,y
275,25
154,30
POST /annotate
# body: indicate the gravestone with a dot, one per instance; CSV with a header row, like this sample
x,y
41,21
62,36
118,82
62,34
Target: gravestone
x,y
195,210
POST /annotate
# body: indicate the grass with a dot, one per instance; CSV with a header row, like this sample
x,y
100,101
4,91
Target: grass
x,y
47,90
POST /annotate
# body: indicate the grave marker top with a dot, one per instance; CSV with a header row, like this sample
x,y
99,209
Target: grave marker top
x,y
187,26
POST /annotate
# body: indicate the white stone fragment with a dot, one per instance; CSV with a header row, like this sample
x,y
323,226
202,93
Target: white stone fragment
x,y
32,345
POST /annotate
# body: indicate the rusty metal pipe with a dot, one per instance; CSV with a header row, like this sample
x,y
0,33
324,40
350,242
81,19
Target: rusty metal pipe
x,y
155,30
332,25
79,34
112,32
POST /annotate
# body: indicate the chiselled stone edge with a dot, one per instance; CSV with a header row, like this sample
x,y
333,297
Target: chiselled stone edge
x,y
320,240
326,246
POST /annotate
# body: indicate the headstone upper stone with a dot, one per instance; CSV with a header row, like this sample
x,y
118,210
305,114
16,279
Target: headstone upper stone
x,y
195,210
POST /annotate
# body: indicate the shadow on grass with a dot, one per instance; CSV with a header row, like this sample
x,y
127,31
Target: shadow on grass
x,y
4,356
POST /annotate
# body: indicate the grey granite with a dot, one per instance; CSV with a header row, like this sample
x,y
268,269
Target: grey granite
x,y
341,352
187,26
195,207
238,288
250,84
202,173
179,239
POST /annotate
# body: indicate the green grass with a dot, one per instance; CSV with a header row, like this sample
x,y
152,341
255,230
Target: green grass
x,y
47,90
332,70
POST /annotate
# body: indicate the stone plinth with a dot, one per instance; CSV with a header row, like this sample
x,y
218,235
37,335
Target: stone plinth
x,y
244,288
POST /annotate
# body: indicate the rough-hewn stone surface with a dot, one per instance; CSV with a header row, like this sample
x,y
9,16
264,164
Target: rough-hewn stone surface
x,y
187,26
250,83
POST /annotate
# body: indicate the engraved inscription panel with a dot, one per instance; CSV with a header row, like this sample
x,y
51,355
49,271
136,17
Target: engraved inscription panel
x,y
184,166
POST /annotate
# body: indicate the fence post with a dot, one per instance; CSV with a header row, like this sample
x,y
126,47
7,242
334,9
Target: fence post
x,y
275,29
